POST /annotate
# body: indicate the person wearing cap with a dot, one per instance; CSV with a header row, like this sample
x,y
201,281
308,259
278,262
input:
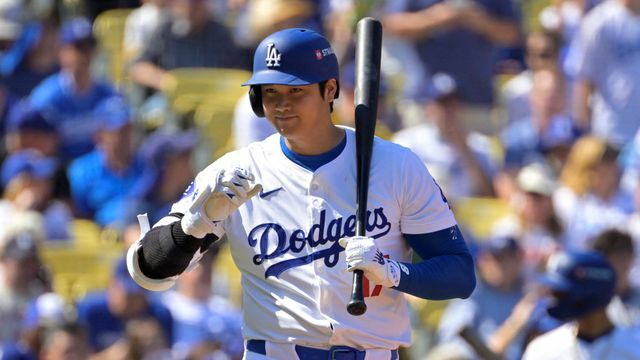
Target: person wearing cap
x,y
201,317
168,171
106,313
500,287
581,285
548,132
31,58
287,207
28,128
21,278
70,96
459,160
28,182
101,179
535,219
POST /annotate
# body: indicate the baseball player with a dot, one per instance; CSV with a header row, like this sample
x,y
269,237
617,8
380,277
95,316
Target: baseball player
x,y
287,206
581,286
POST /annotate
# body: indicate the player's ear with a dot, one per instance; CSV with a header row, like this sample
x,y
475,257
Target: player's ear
x,y
331,90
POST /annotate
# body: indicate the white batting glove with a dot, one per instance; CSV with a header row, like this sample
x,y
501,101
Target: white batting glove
x,y
363,254
232,188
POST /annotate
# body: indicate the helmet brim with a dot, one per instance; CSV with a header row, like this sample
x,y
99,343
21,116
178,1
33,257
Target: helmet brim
x,y
555,282
274,77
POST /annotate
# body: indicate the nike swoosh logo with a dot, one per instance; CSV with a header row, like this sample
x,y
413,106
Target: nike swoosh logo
x,y
265,194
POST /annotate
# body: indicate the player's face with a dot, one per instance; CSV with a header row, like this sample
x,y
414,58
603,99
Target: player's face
x,y
297,110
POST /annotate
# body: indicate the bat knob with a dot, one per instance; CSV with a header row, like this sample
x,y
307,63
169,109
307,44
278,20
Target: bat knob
x,y
356,307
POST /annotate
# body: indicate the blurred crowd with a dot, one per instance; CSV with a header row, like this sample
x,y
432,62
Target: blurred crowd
x,y
526,113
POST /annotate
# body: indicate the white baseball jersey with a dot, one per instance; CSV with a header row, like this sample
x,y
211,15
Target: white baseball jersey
x,y
285,242
562,344
607,52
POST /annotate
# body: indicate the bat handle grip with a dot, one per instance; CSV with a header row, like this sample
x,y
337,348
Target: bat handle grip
x,y
356,305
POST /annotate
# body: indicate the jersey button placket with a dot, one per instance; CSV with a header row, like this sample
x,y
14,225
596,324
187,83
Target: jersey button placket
x,y
315,208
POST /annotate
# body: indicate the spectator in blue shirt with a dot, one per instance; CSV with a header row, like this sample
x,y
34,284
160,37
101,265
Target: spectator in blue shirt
x,y
70,96
27,128
101,179
28,182
106,314
168,171
31,58
461,38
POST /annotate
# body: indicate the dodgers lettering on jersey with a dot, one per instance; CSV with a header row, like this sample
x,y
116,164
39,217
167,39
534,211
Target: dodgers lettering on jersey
x,y
318,235
285,242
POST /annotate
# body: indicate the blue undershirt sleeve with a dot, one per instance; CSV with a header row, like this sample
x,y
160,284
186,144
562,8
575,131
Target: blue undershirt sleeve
x,y
446,270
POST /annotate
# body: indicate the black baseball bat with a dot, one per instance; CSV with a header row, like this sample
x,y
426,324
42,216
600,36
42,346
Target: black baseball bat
x,y
368,50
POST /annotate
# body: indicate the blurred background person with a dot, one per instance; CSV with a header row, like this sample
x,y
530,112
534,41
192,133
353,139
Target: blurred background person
x,y
28,128
542,52
28,182
141,26
101,179
192,38
459,160
619,249
547,132
106,314
201,317
590,198
539,227
581,286
607,66
168,170
501,286
69,97
66,341
143,339
22,278
31,58
459,38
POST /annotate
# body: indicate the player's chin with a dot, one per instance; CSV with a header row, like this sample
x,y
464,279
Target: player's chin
x,y
285,125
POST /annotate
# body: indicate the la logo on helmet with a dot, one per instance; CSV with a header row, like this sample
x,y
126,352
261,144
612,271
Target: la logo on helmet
x,y
273,56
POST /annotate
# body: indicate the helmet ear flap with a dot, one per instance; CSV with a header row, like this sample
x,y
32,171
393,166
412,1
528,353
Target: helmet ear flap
x,y
255,98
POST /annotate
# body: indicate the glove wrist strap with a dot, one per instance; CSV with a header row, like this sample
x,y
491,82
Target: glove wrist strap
x,y
393,273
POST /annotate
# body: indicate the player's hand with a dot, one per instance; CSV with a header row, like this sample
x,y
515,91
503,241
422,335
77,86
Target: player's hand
x,y
232,189
363,254
217,201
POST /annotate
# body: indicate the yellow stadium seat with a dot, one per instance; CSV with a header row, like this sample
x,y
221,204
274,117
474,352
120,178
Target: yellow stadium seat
x,y
190,87
478,214
214,118
77,269
108,28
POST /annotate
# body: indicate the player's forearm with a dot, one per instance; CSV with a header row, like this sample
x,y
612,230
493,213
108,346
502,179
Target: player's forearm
x,y
446,270
440,278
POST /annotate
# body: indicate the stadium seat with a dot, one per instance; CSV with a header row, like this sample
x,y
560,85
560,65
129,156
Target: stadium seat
x,y
108,28
214,118
191,86
477,215
78,269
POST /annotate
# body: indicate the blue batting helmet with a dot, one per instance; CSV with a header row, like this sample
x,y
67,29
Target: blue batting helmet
x,y
582,282
291,57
